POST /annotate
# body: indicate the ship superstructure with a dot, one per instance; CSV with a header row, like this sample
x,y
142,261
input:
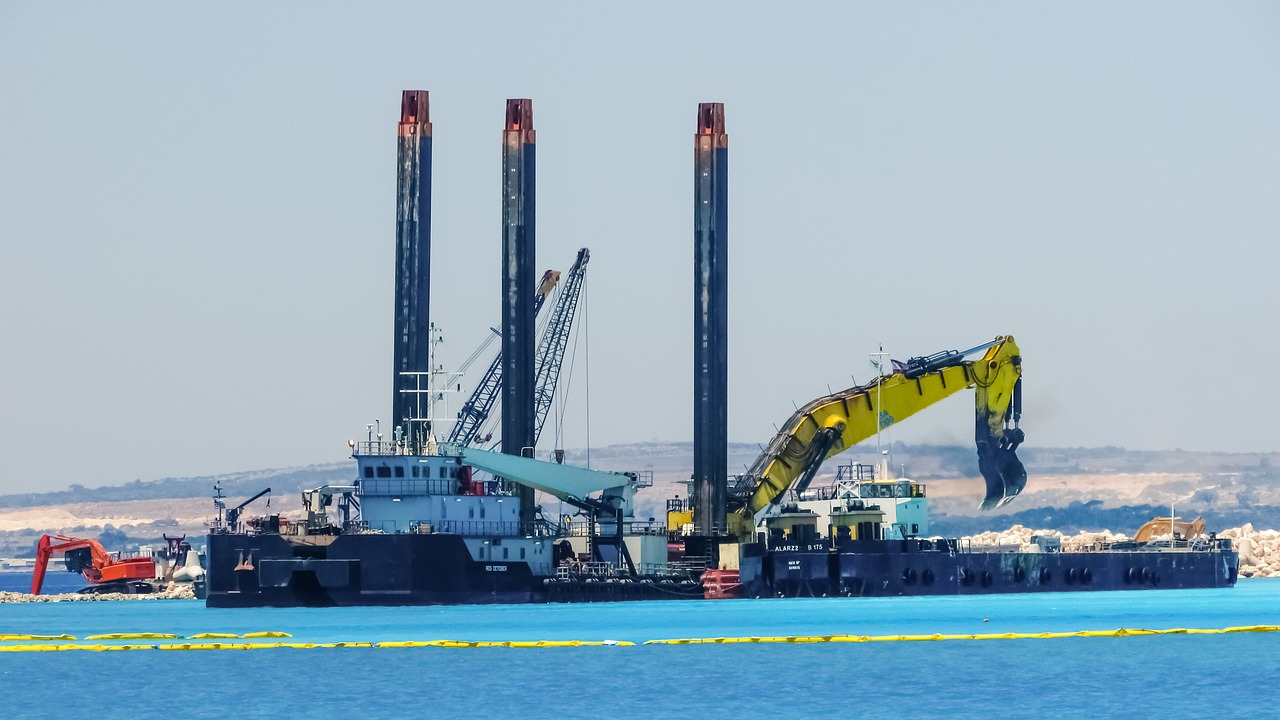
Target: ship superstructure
x,y
880,507
426,523
866,536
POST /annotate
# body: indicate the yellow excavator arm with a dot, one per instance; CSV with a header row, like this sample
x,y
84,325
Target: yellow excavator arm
x,y
830,425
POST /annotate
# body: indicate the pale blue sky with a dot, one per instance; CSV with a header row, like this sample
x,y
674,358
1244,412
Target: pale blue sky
x,y
197,214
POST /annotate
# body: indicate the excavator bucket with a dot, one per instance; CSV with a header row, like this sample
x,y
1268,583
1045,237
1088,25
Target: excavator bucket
x,y
999,402
1003,471
1013,473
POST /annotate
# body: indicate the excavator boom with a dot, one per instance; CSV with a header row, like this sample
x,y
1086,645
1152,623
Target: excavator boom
x,y
830,425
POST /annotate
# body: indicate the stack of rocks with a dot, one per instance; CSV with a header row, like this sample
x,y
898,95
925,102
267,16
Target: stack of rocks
x,y
179,592
1259,549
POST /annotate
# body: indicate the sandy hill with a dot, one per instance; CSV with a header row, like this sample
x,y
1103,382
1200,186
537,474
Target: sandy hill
x,y
1069,488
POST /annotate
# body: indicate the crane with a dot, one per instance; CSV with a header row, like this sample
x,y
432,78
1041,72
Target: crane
x,y
831,424
316,500
233,514
608,511
554,341
91,560
478,407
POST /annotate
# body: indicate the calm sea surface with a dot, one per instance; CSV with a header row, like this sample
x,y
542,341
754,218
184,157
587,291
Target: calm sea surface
x,y
56,580
1202,676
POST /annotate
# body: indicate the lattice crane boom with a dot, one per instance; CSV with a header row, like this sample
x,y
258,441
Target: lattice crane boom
x,y
555,339
479,406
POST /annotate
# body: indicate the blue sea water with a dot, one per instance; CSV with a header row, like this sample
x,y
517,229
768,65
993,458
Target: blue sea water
x,y
56,580
1203,676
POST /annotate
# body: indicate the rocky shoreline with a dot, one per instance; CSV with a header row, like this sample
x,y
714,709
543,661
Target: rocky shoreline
x,y
179,592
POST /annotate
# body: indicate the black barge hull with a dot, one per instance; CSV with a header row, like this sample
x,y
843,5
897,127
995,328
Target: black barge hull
x,y
397,569
359,569
880,568
437,569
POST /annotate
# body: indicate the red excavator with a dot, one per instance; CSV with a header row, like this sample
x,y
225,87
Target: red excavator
x,y
90,559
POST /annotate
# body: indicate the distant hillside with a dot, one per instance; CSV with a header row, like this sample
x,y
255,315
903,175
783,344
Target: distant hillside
x,y
1068,487
940,462
926,462
1091,516
285,481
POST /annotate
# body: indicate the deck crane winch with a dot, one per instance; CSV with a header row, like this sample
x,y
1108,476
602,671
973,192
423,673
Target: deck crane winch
x,y
233,514
834,423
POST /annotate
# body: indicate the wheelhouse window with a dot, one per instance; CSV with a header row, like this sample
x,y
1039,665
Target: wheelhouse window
x,y
368,472
400,471
384,471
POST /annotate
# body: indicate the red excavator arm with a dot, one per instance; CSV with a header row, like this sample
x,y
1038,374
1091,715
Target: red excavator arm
x,y
90,560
